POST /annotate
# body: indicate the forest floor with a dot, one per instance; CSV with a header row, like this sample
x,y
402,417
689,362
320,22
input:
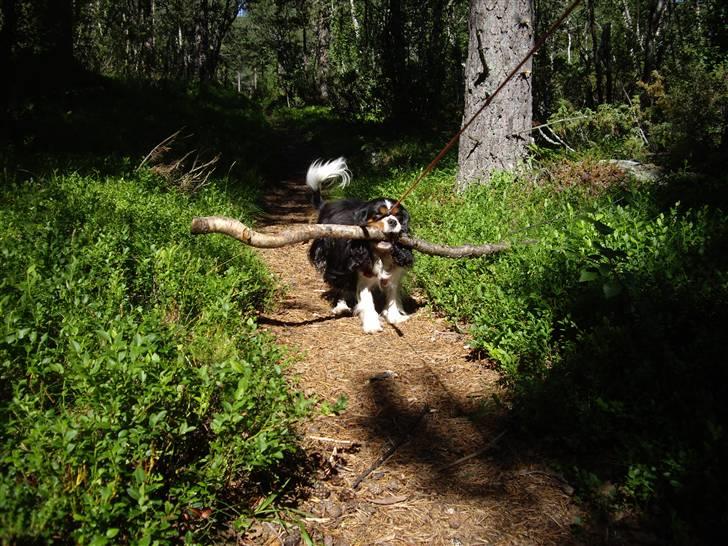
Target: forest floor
x,y
421,412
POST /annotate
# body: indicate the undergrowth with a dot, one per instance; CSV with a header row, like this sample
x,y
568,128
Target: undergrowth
x,y
605,318
136,392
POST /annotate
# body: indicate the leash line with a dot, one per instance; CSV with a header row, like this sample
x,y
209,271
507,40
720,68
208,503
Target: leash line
x,y
546,35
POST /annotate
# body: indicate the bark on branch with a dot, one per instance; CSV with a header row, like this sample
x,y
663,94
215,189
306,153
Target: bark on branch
x,y
298,233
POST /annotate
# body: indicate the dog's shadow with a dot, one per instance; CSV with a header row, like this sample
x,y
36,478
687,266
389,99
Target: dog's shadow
x,y
275,322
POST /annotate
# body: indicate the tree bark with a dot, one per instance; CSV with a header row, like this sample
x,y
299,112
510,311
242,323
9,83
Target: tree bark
x,y
501,34
652,37
305,232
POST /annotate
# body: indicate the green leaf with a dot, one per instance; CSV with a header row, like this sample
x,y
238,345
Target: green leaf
x,y
588,275
156,417
184,428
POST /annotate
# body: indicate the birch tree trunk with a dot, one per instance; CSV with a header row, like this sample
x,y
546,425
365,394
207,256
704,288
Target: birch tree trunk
x,y
501,34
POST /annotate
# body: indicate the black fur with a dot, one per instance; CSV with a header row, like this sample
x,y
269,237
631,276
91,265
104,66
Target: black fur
x,y
340,260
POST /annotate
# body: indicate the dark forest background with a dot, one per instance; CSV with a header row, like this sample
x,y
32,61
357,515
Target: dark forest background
x,y
394,60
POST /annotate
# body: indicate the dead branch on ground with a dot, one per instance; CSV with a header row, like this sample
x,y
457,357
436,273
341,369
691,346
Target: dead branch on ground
x,y
298,233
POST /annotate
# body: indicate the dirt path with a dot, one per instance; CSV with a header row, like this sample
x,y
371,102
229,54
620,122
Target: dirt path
x,y
416,388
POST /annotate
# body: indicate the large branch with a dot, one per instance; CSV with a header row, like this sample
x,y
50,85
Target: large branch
x,y
298,233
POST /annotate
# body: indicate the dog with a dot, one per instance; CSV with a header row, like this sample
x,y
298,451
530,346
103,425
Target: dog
x,y
360,267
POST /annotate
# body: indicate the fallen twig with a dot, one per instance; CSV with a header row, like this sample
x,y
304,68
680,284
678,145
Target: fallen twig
x,y
386,501
473,455
159,149
393,448
331,440
298,233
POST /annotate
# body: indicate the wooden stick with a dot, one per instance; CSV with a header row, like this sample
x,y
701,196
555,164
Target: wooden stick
x,y
297,233
473,455
331,440
390,452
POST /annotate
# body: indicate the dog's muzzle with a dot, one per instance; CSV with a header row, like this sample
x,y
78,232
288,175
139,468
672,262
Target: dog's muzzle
x,y
391,225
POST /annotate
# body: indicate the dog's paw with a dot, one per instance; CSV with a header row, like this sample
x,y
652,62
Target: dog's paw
x,y
395,316
341,308
370,324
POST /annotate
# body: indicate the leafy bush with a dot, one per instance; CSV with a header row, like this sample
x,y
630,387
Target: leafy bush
x,y
688,117
611,131
608,329
109,119
135,388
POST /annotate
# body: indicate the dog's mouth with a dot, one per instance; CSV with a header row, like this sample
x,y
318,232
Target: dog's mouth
x,y
383,246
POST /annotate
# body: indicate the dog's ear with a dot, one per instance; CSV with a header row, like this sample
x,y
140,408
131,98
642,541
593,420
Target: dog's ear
x,y
361,216
359,256
402,255
317,254
404,218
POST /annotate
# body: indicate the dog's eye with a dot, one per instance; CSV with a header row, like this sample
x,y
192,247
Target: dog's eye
x,y
394,211
383,210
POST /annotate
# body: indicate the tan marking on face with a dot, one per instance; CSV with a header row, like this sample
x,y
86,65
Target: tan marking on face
x,y
379,224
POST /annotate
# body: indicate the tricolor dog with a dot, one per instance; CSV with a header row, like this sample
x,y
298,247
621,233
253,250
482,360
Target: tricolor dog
x,y
358,268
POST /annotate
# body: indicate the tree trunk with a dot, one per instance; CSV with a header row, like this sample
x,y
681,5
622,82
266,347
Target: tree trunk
x,y
595,53
59,17
321,53
652,37
606,57
395,62
501,34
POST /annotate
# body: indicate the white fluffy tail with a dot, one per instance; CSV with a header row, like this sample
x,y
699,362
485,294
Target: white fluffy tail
x,y
326,172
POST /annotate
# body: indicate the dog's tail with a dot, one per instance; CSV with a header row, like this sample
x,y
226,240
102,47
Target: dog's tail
x,y
324,173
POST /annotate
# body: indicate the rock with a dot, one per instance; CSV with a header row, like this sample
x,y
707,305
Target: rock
x,y
644,172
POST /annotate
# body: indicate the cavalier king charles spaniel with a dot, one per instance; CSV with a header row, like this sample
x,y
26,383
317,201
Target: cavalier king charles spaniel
x,y
358,267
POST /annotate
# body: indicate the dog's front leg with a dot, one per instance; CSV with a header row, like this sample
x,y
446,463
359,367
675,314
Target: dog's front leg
x,y
393,309
365,304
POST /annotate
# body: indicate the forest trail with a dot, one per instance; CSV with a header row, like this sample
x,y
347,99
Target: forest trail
x,y
415,387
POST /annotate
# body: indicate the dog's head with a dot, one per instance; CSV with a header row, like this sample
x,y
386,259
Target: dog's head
x,y
386,215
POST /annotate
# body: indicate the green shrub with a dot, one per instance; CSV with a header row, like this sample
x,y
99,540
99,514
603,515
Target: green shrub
x,y
607,329
135,387
610,131
688,116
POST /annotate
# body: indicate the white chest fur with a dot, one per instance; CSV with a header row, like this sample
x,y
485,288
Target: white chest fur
x,y
383,269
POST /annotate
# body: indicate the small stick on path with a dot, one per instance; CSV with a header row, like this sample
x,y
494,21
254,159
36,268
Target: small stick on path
x,y
473,455
390,452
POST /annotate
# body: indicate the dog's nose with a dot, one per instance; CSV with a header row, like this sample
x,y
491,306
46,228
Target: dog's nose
x,y
392,222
